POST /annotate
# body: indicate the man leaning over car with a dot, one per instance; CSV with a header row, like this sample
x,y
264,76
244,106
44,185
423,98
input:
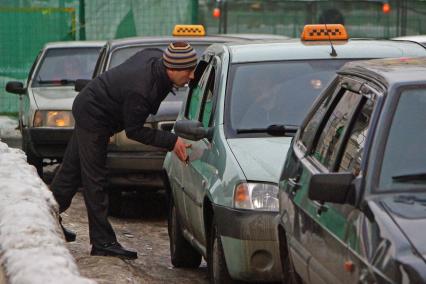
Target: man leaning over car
x,y
121,98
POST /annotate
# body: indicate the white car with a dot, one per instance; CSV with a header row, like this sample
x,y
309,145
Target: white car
x,y
45,119
417,38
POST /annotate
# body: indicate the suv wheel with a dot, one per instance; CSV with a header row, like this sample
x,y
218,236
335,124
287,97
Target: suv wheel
x,y
290,275
216,262
181,252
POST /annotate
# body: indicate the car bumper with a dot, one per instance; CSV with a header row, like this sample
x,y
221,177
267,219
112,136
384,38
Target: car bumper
x,y
250,244
136,168
48,142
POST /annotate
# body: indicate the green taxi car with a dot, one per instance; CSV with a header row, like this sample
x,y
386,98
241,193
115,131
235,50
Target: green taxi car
x,y
243,107
353,190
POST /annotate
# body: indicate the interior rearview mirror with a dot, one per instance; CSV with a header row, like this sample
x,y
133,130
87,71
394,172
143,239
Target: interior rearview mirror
x,y
15,87
332,187
192,130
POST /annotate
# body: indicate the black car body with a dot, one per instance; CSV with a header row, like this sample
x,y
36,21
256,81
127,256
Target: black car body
x,y
353,187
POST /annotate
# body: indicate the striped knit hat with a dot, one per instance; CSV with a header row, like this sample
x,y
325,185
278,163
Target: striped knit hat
x,y
180,55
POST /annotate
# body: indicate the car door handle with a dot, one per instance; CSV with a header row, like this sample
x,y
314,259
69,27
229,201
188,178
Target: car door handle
x,y
321,207
294,185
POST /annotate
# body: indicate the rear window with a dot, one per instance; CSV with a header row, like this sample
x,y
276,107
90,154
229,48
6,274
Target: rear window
x,y
262,94
62,66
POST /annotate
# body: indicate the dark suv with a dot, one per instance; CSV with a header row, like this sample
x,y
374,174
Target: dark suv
x,y
353,189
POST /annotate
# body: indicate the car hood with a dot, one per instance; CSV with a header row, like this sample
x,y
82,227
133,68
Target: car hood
x,y
409,213
54,97
261,159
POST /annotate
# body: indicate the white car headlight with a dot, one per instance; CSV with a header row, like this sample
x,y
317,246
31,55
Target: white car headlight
x,y
53,118
256,196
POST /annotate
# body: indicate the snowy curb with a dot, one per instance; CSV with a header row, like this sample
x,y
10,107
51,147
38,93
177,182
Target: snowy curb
x,y
32,248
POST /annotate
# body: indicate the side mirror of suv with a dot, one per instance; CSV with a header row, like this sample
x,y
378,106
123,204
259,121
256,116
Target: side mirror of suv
x,y
192,130
80,84
15,87
332,187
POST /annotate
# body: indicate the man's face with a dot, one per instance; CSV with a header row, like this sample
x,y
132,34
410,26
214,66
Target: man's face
x,y
181,77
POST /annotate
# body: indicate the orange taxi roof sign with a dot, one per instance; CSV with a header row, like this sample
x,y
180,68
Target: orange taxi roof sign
x,y
324,32
189,30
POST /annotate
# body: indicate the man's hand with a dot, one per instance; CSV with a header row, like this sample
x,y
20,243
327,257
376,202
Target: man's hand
x,y
180,149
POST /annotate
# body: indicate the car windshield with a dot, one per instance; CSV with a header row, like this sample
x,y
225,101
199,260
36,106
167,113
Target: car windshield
x,y
404,160
122,54
275,93
63,66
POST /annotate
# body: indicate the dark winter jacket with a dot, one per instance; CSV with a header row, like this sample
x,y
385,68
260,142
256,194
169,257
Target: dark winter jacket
x,y
124,96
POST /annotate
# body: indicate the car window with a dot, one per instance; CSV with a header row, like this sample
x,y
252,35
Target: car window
x,y
352,154
404,159
196,95
120,55
208,100
62,66
308,132
332,134
281,92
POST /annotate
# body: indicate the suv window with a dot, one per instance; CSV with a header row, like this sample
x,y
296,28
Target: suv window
x,y
332,134
352,154
196,94
308,132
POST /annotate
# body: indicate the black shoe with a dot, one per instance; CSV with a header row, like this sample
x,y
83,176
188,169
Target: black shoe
x,y
113,249
69,235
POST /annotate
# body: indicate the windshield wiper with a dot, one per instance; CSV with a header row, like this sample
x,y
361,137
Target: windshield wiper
x,y
410,177
274,130
61,81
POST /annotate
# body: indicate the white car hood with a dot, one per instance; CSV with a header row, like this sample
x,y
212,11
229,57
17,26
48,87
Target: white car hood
x,y
261,159
60,98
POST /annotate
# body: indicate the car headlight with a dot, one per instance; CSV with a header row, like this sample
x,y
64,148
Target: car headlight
x,y
53,118
257,196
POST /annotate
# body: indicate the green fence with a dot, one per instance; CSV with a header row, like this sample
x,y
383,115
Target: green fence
x,y
26,25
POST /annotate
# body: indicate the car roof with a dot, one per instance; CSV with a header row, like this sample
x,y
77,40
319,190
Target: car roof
x,y
116,43
77,43
295,49
390,71
416,38
256,36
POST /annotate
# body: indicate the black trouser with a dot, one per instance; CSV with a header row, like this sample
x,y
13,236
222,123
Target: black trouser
x,y
84,164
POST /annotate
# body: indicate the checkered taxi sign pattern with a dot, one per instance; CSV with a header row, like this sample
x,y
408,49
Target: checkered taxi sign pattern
x,y
323,32
189,30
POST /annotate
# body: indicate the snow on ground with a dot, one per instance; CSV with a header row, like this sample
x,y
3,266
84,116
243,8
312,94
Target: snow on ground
x,y
32,248
8,127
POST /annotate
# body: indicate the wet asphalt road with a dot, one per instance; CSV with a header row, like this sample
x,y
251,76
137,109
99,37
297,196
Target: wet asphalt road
x,y
144,228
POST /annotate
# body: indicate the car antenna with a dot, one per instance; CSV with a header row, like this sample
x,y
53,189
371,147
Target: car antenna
x,y
333,51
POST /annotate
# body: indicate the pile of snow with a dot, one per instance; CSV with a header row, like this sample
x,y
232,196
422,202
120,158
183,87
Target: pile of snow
x,y
8,127
32,248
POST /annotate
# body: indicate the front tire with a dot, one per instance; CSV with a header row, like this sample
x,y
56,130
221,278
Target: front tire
x,y
182,254
216,259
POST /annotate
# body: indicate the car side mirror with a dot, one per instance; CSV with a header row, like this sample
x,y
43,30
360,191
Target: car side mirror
x,y
80,84
15,87
332,187
192,130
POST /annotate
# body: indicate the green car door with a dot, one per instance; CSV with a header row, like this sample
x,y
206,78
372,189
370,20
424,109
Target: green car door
x,y
324,227
199,172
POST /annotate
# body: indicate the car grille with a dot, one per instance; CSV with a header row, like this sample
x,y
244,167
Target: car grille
x,y
166,125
